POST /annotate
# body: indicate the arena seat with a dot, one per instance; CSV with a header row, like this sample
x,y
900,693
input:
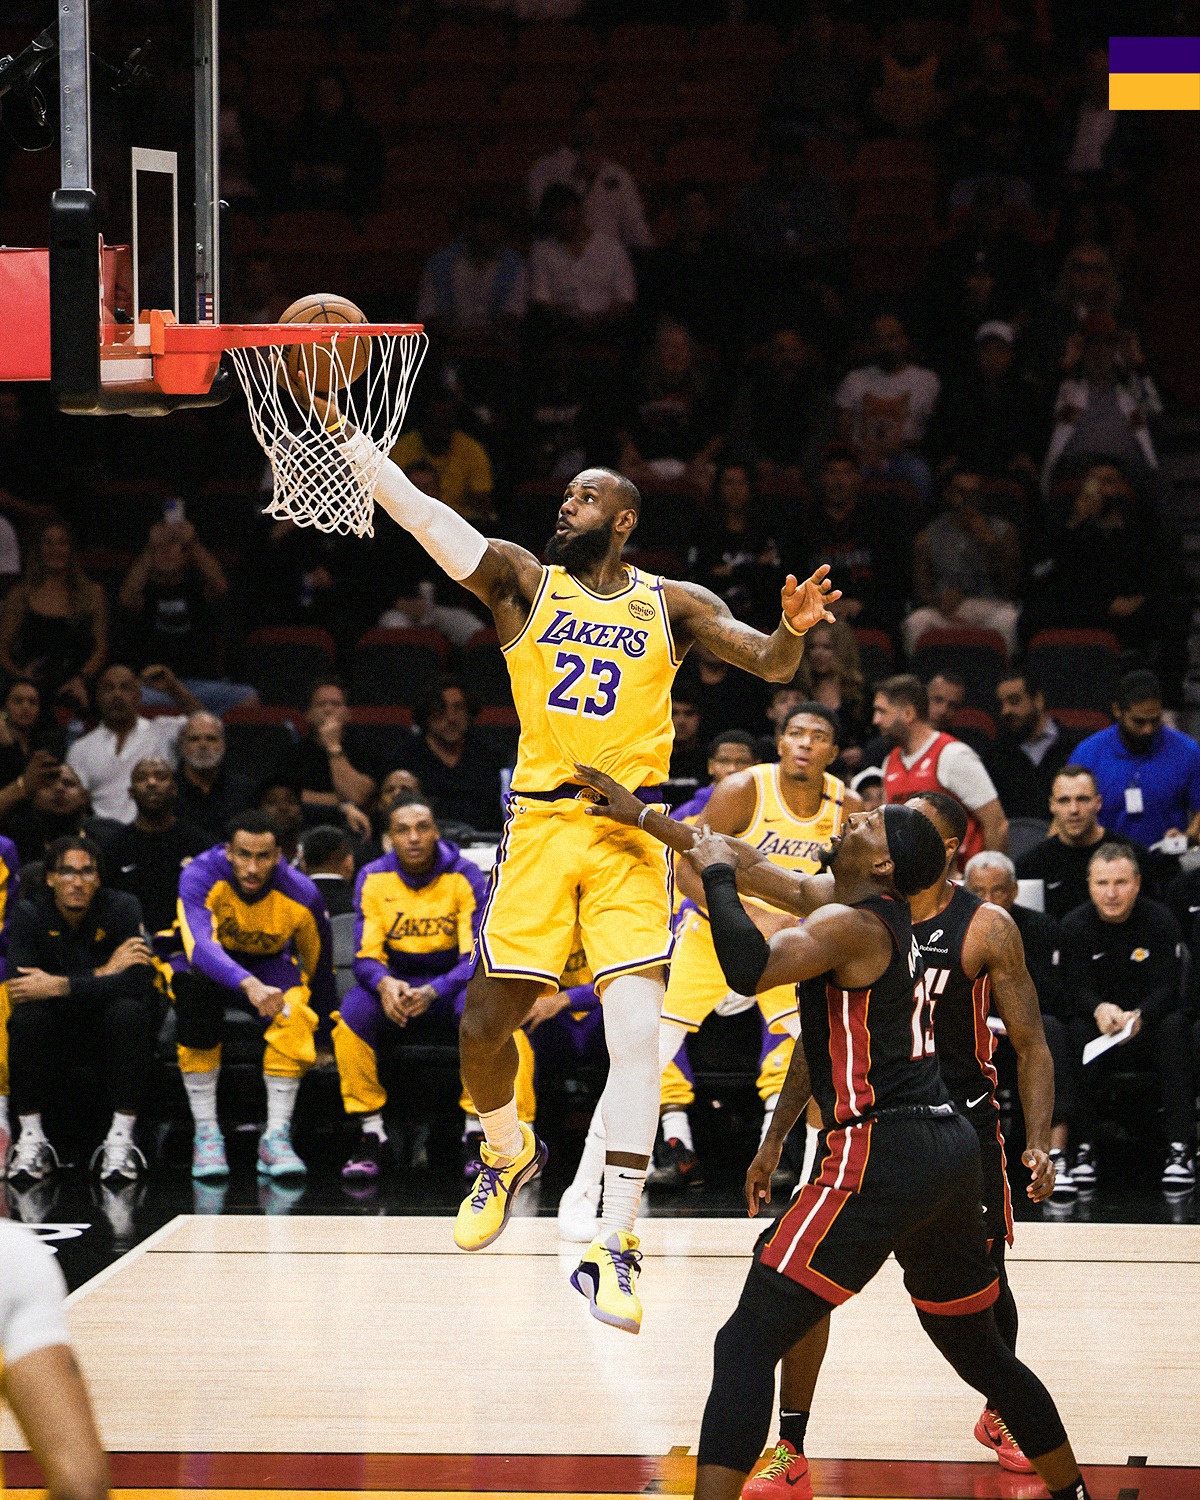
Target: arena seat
x,y
382,728
282,660
480,47
485,673
424,161
260,737
1077,668
708,159
1086,720
452,104
643,42
561,45
978,656
391,666
875,653
342,927
975,727
528,101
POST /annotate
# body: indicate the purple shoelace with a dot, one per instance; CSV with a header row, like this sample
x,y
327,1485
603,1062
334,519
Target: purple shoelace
x,y
489,1183
625,1263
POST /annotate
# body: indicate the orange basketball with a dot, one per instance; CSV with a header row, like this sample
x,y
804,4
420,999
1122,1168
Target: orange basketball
x,y
319,367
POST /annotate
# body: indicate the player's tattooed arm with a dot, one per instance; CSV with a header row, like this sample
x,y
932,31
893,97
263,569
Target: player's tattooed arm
x,y
994,941
506,580
700,617
791,1104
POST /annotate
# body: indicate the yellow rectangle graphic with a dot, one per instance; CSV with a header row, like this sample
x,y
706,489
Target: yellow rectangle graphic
x,y
1154,91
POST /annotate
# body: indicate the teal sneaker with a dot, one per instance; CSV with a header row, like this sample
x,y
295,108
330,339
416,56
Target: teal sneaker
x,y
276,1156
208,1153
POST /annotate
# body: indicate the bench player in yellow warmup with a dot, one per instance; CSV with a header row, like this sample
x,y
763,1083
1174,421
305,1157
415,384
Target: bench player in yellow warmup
x,y
592,645
790,811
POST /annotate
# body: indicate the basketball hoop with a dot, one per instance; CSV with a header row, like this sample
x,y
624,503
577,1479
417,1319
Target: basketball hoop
x,y
315,482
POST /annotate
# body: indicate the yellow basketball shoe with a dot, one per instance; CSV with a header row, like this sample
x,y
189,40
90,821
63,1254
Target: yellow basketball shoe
x,y
605,1276
485,1210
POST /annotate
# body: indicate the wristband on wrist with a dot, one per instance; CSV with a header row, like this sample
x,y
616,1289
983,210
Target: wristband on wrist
x,y
641,822
791,629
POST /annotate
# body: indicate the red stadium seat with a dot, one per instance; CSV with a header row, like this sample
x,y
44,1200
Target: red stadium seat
x,y
528,101
555,44
283,660
708,159
391,666
424,161
975,726
1086,720
875,653
640,43
449,102
260,738
1077,668
978,656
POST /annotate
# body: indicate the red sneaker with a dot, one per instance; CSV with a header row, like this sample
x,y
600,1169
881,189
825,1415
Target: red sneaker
x,y
992,1433
784,1477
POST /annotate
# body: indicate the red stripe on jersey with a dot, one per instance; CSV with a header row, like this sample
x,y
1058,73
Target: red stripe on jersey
x,y
850,1051
800,1231
1008,1213
846,1162
985,1042
961,1307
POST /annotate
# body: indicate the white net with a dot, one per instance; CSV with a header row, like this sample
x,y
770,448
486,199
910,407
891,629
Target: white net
x,y
315,483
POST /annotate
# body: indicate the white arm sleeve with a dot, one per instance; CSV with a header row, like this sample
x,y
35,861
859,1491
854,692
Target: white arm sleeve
x,y
963,775
453,543
32,1295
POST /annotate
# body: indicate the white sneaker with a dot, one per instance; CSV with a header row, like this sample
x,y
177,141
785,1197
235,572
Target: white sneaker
x,y
32,1159
579,1213
1064,1184
118,1160
1179,1172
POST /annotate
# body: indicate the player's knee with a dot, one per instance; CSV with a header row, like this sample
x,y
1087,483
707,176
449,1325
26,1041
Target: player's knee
x,y
485,1026
360,1012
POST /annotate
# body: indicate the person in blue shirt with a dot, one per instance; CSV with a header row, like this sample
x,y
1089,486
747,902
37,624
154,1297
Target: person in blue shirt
x,y
1148,774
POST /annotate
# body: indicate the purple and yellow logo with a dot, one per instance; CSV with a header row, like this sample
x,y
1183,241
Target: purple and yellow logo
x,y
1154,72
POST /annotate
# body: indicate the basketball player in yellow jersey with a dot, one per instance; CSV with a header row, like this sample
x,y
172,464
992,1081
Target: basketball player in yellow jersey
x,y
592,646
789,811
39,1378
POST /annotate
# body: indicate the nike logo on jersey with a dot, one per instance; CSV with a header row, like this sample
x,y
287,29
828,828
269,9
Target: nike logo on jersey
x,y
971,1103
1095,956
564,596
127,869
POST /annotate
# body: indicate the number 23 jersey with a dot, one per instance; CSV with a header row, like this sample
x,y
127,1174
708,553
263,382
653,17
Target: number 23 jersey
x,y
591,679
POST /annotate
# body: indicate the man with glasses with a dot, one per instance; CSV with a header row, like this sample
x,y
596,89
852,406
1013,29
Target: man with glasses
x,y
81,985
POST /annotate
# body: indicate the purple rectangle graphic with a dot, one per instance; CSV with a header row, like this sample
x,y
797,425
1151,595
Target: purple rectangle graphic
x,y
1154,54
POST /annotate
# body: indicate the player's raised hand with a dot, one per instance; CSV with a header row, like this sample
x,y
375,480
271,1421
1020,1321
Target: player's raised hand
x,y
758,1177
1042,1172
616,803
711,849
804,604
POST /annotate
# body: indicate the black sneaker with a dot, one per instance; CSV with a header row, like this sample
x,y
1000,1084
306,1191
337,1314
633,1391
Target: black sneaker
x,y
1179,1172
1064,1183
676,1167
366,1161
1083,1173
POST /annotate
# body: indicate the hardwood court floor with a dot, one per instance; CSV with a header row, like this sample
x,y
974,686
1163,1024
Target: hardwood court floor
x,y
260,1344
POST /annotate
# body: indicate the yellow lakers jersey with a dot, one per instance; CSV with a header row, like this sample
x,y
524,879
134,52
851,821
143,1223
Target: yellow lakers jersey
x,y
591,679
786,840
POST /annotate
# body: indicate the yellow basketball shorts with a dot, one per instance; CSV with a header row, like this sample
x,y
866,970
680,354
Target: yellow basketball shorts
x,y
556,867
697,985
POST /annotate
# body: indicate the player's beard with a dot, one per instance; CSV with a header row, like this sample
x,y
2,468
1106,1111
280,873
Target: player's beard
x,y
580,549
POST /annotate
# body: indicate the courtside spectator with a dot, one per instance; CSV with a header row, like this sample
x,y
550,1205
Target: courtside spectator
x,y
992,877
580,278
104,759
327,858
328,763
866,545
332,157
924,760
145,857
1124,968
1087,285
908,97
255,936
169,615
727,698
82,995
1147,773
687,748
947,694
1101,150
478,283
460,461
734,750
53,804
884,407
54,623
611,202
420,609
418,911
1061,860
1031,748
792,220
966,564
995,131
24,728
210,792
279,799
458,768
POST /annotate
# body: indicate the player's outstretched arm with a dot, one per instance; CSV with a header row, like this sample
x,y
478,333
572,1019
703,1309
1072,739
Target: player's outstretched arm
x,y
700,617
994,940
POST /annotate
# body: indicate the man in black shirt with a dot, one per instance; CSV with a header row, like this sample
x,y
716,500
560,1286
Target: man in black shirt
x,y
210,793
1032,748
328,763
1123,958
455,765
1061,861
992,877
327,858
82,988
145,857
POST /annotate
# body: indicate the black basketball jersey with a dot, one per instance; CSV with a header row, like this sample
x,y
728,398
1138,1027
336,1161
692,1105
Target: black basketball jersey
x,y
961,1038
866,1048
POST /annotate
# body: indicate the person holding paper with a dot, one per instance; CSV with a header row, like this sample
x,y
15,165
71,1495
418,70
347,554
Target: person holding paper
x,y
1123,959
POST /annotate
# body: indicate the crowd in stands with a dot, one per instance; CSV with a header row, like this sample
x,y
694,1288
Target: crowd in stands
x,y
873,301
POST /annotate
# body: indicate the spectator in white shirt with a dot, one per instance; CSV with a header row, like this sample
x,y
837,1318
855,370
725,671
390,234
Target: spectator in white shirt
x,y
577,273
104,759
477,284
885,407
612,203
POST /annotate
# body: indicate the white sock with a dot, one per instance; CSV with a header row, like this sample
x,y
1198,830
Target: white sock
x,y
373,1125
471,1126
202,1096
502,1129
622,1194
811,1136
3,1111
31,1129
677,1126
120,1132
281,1101
590,1171
768,1116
